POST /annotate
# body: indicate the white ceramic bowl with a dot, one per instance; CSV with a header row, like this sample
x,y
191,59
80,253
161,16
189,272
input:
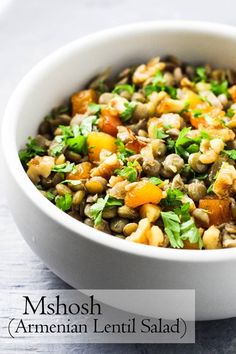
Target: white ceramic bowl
x,y
82,256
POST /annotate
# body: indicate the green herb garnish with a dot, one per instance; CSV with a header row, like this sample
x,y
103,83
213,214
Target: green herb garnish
x,y
125,87
158,78
182,141
64,202
230,153
123,152
173,198
184,145
190,232
170,144
128,112
183,212
210,188
179,226
58,148
78,144
230,112
50,196
200,74
129,172
94,108
102,203
159,133
87,124
172,228
149,89
219,88
65,167
67,132
32,149
75,137
155,180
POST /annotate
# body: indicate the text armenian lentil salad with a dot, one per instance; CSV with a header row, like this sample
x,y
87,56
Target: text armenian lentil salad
x,y
148,156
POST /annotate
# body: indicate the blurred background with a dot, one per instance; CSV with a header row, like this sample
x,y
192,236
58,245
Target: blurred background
x,y
31,29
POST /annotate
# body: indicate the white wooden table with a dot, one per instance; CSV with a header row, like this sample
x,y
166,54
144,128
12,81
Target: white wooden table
x,y
31,29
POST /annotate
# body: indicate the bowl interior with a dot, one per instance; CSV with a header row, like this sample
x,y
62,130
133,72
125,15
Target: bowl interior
x,y
54,79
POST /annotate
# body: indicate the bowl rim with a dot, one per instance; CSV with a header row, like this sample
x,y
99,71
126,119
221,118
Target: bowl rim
x,y
12,161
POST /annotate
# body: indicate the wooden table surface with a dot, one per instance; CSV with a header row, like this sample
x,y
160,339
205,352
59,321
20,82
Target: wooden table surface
x,y
29,30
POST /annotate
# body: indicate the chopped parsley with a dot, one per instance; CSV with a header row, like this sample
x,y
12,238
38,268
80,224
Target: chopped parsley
x,y
129,172
193,148
94,108
123,152
159,84
87,124
58,148
183,212
155,180
230,112
210,188
172,228
102,203
173,198
180,226
149,89
184,145
78,144
190,232
67,131
200,74
230,153
64,202
182,141
32,149
159,133
74,138
170,144
70,138
125,87
50,196
65,167
127,114
158,78
219,88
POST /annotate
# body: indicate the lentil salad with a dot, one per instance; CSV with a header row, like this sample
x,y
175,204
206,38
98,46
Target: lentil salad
x,y
148,156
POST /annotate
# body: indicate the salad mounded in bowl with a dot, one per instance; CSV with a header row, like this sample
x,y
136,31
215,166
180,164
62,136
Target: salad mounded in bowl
x,y
147,156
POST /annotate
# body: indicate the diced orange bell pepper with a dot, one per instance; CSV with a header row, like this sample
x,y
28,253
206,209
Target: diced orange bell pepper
x,y
219,210
109,121
82,171
215,117
232,92
143,192
197,121
97,141
80,101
